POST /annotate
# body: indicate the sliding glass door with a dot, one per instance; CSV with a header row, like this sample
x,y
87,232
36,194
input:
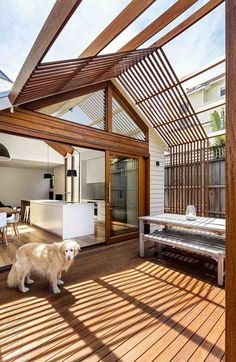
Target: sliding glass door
x,y
122,195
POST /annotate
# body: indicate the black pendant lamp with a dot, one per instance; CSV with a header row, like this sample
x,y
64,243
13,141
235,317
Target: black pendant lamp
x,y
4,154
71,173
48,174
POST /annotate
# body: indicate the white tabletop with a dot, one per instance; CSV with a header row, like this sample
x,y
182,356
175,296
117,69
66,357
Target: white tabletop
x,y
201,223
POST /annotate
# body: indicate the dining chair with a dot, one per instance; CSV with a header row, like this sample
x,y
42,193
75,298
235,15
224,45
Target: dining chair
x,y
3,226
13,221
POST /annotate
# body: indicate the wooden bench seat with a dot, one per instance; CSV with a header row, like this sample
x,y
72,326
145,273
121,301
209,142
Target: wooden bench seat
x,y
205,244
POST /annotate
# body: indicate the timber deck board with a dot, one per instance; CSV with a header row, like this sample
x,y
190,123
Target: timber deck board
x,y
114,306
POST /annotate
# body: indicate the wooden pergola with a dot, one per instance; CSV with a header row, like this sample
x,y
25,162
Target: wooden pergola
x,y
148,77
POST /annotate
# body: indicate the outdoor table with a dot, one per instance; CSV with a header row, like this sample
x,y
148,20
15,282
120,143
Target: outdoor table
x,y
206,226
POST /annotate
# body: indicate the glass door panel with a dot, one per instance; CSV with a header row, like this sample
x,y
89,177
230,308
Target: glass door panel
x,y
123,195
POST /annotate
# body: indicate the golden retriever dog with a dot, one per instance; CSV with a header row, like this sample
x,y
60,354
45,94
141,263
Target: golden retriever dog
x,y
48,260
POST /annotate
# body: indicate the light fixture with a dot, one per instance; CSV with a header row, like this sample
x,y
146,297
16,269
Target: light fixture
x,y
48,174
4,154
71,173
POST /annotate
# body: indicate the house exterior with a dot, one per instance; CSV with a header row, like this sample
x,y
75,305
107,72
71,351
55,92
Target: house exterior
x,y
130,135
206,94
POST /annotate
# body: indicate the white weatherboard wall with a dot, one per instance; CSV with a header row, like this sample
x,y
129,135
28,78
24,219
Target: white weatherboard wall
x,y
17,184
156,149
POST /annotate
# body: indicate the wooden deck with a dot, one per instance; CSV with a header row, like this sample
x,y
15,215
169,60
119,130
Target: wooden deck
x,y
115,306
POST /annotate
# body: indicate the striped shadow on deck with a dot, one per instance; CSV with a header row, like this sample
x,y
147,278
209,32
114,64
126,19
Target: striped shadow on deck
x,y
115,307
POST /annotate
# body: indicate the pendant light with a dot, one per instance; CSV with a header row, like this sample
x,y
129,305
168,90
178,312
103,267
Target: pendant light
x,y
48,174
4,154
72,172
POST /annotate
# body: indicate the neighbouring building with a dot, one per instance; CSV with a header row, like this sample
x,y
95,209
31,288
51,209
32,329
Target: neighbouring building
x,y
205,94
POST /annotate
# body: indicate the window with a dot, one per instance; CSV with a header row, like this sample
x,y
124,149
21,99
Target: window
x,y
222,91
87,110
123,124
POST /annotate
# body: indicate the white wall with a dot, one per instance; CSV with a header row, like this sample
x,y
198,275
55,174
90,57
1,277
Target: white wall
x,y
156,149
17,184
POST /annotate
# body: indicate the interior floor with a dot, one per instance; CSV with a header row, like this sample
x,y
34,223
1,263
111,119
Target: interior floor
x,y
32,234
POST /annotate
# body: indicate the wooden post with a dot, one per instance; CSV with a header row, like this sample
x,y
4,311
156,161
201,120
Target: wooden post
x,y
230,180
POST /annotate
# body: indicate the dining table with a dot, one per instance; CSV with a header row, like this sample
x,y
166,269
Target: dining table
x,y
9,211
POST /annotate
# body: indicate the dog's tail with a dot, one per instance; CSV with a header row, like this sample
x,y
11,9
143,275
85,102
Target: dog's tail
x,y
12,279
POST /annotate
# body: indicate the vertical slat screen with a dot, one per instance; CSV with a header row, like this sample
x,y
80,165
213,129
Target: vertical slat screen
x,y
187,173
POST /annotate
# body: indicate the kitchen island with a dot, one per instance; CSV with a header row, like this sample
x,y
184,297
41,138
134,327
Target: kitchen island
x,y
68,220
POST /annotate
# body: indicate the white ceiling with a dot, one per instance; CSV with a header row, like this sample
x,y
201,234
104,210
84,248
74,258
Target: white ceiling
x,y
33,165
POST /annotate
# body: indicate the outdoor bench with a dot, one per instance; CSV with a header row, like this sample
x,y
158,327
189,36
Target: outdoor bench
x,y
206,244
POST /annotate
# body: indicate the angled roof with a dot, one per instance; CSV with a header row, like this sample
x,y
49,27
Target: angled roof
x,y
161,96
62,76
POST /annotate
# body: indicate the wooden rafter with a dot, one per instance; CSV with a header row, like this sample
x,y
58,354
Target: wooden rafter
x,y
161,22
61,148
171,112
52,78
57,19
120,23
157,25
191,20
187,77
54,85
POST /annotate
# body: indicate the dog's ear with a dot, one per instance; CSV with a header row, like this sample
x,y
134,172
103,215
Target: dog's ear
x,y
77,248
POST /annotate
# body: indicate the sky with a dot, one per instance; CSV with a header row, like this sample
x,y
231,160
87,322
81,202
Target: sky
x,y
21,21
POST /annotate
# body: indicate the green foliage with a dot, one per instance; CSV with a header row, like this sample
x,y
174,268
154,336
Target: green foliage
x,y
217,123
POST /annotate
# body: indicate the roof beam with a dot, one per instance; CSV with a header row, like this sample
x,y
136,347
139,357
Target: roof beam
x,y
157,25
120,23
191,20
57,19
62,97
61,148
